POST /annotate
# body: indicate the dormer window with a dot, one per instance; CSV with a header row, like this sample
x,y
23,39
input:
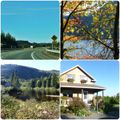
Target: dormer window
x,y
70,77
83,79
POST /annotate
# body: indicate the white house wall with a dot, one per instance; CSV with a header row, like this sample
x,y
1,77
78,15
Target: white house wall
x,y
76,72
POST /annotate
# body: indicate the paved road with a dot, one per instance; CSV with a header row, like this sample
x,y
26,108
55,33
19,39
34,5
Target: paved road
x,y
29,53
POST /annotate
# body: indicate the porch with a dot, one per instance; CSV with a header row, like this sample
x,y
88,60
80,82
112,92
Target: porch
x,y
84,91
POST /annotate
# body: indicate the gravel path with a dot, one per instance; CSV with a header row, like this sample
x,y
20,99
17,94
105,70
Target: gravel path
x,y
94,115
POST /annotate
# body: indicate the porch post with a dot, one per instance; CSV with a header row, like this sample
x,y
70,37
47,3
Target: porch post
x,y
82,93
97,102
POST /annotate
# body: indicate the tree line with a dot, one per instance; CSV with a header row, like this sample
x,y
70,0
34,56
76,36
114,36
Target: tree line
x,y
10,42
43,82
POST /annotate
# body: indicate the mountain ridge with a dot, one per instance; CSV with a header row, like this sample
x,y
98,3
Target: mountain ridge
x,y
24,72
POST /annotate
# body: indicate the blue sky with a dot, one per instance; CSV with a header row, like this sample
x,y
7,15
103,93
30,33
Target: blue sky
x,y
106,73
35,21
39,64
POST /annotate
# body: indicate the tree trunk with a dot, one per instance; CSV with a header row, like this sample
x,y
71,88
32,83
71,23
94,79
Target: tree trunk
x,y
116,33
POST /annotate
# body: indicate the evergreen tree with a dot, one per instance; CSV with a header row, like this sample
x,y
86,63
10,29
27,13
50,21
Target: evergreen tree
x,y
55,80
51,80
45,82
33,84
15,81
42,82
8,41
39,83
3,38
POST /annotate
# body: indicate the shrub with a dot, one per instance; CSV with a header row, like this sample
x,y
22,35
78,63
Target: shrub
x,y
109,103
114,100
82,112
77,102
107,99
97,100
64,97
107,107
14,92
6,89
25,113
65,109
9,107
30,109
101,106
78,107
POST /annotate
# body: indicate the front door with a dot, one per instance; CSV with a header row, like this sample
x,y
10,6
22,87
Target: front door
x,y
85,96
68,93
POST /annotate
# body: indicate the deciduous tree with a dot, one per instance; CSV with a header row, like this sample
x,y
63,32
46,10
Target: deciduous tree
x,y
93,21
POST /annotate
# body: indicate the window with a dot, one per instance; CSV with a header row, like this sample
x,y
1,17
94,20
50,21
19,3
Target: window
x,y
70,77
83,79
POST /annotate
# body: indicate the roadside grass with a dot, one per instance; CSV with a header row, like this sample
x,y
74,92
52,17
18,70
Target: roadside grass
x,y
12,49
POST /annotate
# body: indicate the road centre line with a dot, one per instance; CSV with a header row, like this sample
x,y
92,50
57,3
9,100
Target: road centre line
x,y
32,55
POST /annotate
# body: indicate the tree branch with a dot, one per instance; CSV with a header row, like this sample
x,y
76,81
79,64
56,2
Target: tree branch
x,y
70,16
97,39
64,4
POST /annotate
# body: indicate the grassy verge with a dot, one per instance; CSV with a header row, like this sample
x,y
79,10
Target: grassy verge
x,y
10,49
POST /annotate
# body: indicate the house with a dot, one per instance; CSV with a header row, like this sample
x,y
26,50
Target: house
x,y
76,82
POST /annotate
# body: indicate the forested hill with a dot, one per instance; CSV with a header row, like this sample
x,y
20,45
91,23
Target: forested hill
x,y
24,72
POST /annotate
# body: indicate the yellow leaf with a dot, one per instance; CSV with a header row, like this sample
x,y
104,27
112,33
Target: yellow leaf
x,y
72,30
95,19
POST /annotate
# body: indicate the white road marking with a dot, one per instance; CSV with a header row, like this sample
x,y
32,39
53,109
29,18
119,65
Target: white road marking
x,y
32,55
54,51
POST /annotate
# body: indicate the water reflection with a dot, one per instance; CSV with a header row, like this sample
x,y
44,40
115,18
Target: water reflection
x,y
40,94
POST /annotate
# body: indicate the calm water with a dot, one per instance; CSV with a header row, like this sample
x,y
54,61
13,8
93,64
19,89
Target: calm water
x,y
41,95
84,48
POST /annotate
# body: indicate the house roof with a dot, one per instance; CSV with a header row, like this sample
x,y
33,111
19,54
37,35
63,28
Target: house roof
x,y
78,85
77,66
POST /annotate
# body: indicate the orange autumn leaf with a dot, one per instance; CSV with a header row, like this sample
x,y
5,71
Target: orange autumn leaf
x,y
72,38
